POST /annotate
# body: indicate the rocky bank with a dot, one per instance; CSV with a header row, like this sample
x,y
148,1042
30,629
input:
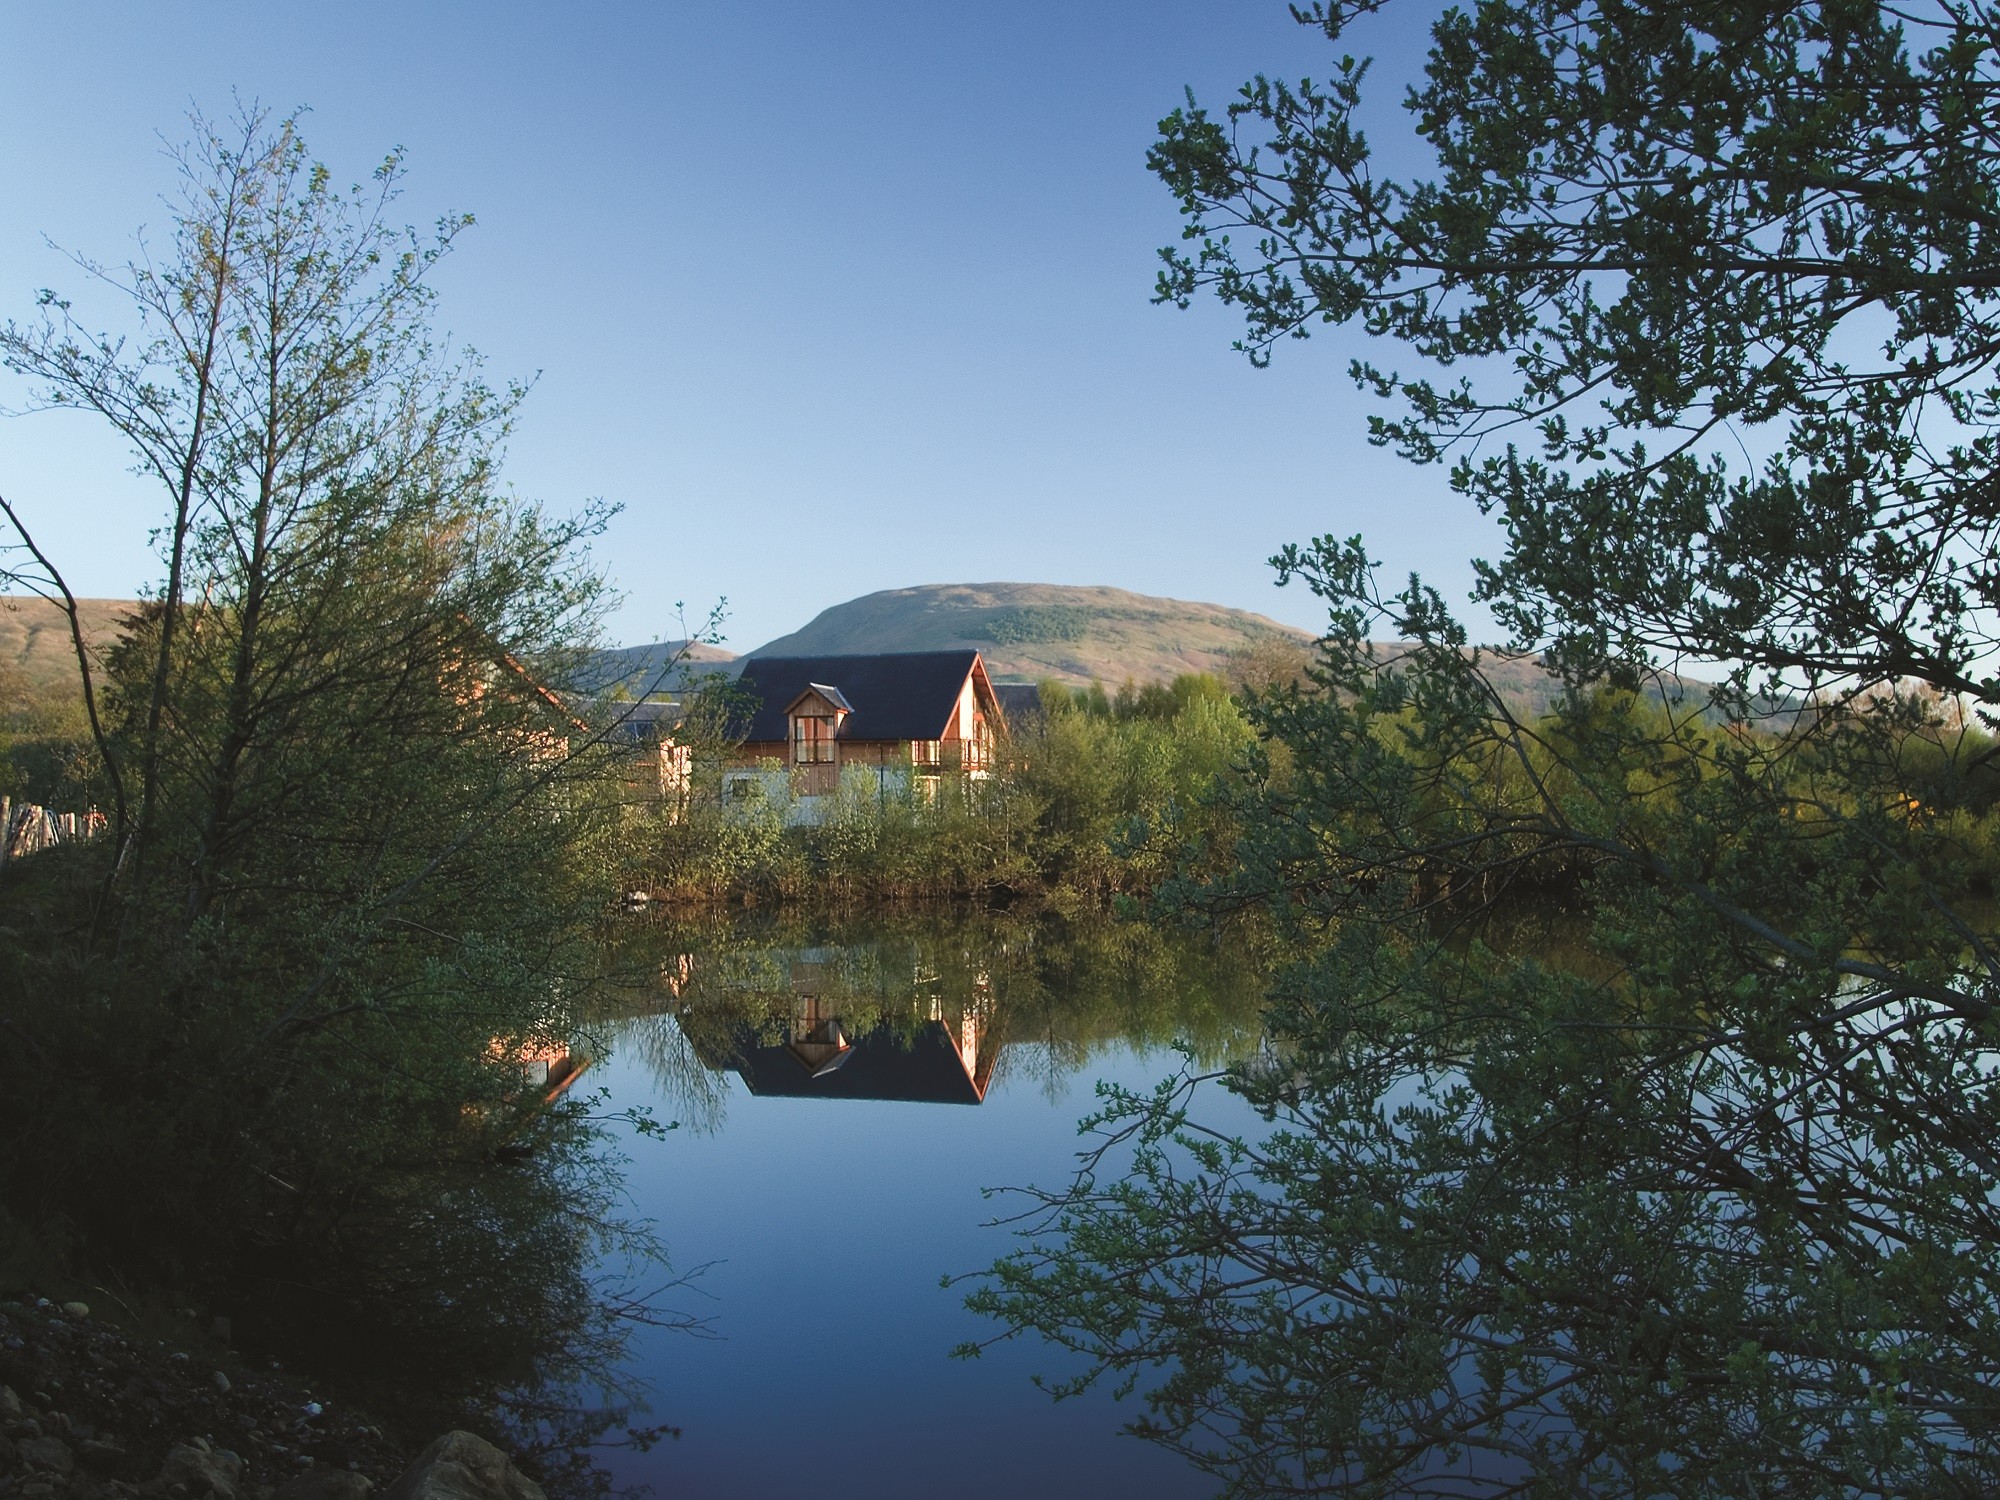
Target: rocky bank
x,y
88,1412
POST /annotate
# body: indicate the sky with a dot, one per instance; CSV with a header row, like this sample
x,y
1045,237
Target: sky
x,y
828,297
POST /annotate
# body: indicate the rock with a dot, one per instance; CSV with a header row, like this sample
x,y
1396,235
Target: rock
x,y
199,1473
77,1309
218,1329
459,1466
220,1381
101,1456
9,1455
10,1404
325,1484
50,1453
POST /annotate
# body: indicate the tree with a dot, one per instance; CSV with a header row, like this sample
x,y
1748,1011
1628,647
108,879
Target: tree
x,y
1660,234
1630,1091
366,845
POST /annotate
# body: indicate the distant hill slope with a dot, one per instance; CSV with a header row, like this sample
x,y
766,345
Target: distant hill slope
x,y
34,639
636,668
1029,631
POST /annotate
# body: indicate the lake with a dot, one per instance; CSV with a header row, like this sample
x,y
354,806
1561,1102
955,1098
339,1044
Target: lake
x,y
844,1092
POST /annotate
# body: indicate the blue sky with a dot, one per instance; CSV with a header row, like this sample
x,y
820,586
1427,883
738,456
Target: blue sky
x,y
830,297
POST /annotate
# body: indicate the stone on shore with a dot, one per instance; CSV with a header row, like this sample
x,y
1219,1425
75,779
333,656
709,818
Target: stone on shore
x,y
460,1466
105,1458
325,1484
50,1453
199,1472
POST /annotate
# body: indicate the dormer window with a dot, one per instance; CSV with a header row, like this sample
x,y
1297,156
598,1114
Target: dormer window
x,y
816,716
812,739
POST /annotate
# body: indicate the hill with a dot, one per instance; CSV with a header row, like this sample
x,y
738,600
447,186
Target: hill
x,y
637,668
34,640
1029,631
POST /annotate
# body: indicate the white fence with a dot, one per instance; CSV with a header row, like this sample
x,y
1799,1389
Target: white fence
x,y
29,829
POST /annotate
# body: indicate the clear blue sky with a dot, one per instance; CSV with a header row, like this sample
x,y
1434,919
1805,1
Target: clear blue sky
x,y
830,297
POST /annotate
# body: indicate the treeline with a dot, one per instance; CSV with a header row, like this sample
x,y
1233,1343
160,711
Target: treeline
x,y
1482,839
1097,797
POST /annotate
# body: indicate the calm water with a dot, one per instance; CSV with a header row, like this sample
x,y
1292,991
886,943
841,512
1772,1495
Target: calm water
x,y
845,1094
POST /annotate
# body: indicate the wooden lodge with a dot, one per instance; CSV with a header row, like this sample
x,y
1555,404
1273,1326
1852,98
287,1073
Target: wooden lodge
x,y
910,718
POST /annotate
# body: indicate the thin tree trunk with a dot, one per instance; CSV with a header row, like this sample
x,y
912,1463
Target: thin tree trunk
x,y
237,726
170,603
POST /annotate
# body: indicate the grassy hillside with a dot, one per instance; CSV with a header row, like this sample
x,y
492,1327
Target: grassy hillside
x,y
35,642
1034,630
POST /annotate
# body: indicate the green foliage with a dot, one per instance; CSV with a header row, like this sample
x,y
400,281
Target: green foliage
x,y
1663,239
1049,622
360,854
1091,804
1688,1193
1630,1088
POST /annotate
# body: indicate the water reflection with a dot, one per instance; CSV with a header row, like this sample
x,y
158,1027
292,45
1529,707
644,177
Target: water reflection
x,y
743,1030
842,1028
929,1010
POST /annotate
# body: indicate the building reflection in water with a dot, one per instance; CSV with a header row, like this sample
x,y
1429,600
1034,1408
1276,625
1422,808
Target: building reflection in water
x,y
935,1043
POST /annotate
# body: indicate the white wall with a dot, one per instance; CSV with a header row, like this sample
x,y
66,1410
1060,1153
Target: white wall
x,y
860,786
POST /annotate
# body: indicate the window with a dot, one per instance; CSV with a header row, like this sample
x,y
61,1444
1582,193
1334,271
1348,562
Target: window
x,y
812,740
925,753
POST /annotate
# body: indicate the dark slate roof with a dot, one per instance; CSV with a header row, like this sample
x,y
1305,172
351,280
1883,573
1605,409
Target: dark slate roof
x,y
629,721
901,695
878,1066
1020,705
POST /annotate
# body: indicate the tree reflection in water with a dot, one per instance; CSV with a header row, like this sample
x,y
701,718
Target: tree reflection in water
x,y
1517,1243
496,1290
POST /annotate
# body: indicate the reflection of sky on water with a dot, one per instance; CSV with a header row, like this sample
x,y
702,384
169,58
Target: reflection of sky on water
x,y
830,1222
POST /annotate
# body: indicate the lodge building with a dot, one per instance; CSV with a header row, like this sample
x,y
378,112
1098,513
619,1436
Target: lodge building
x,y
908,717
